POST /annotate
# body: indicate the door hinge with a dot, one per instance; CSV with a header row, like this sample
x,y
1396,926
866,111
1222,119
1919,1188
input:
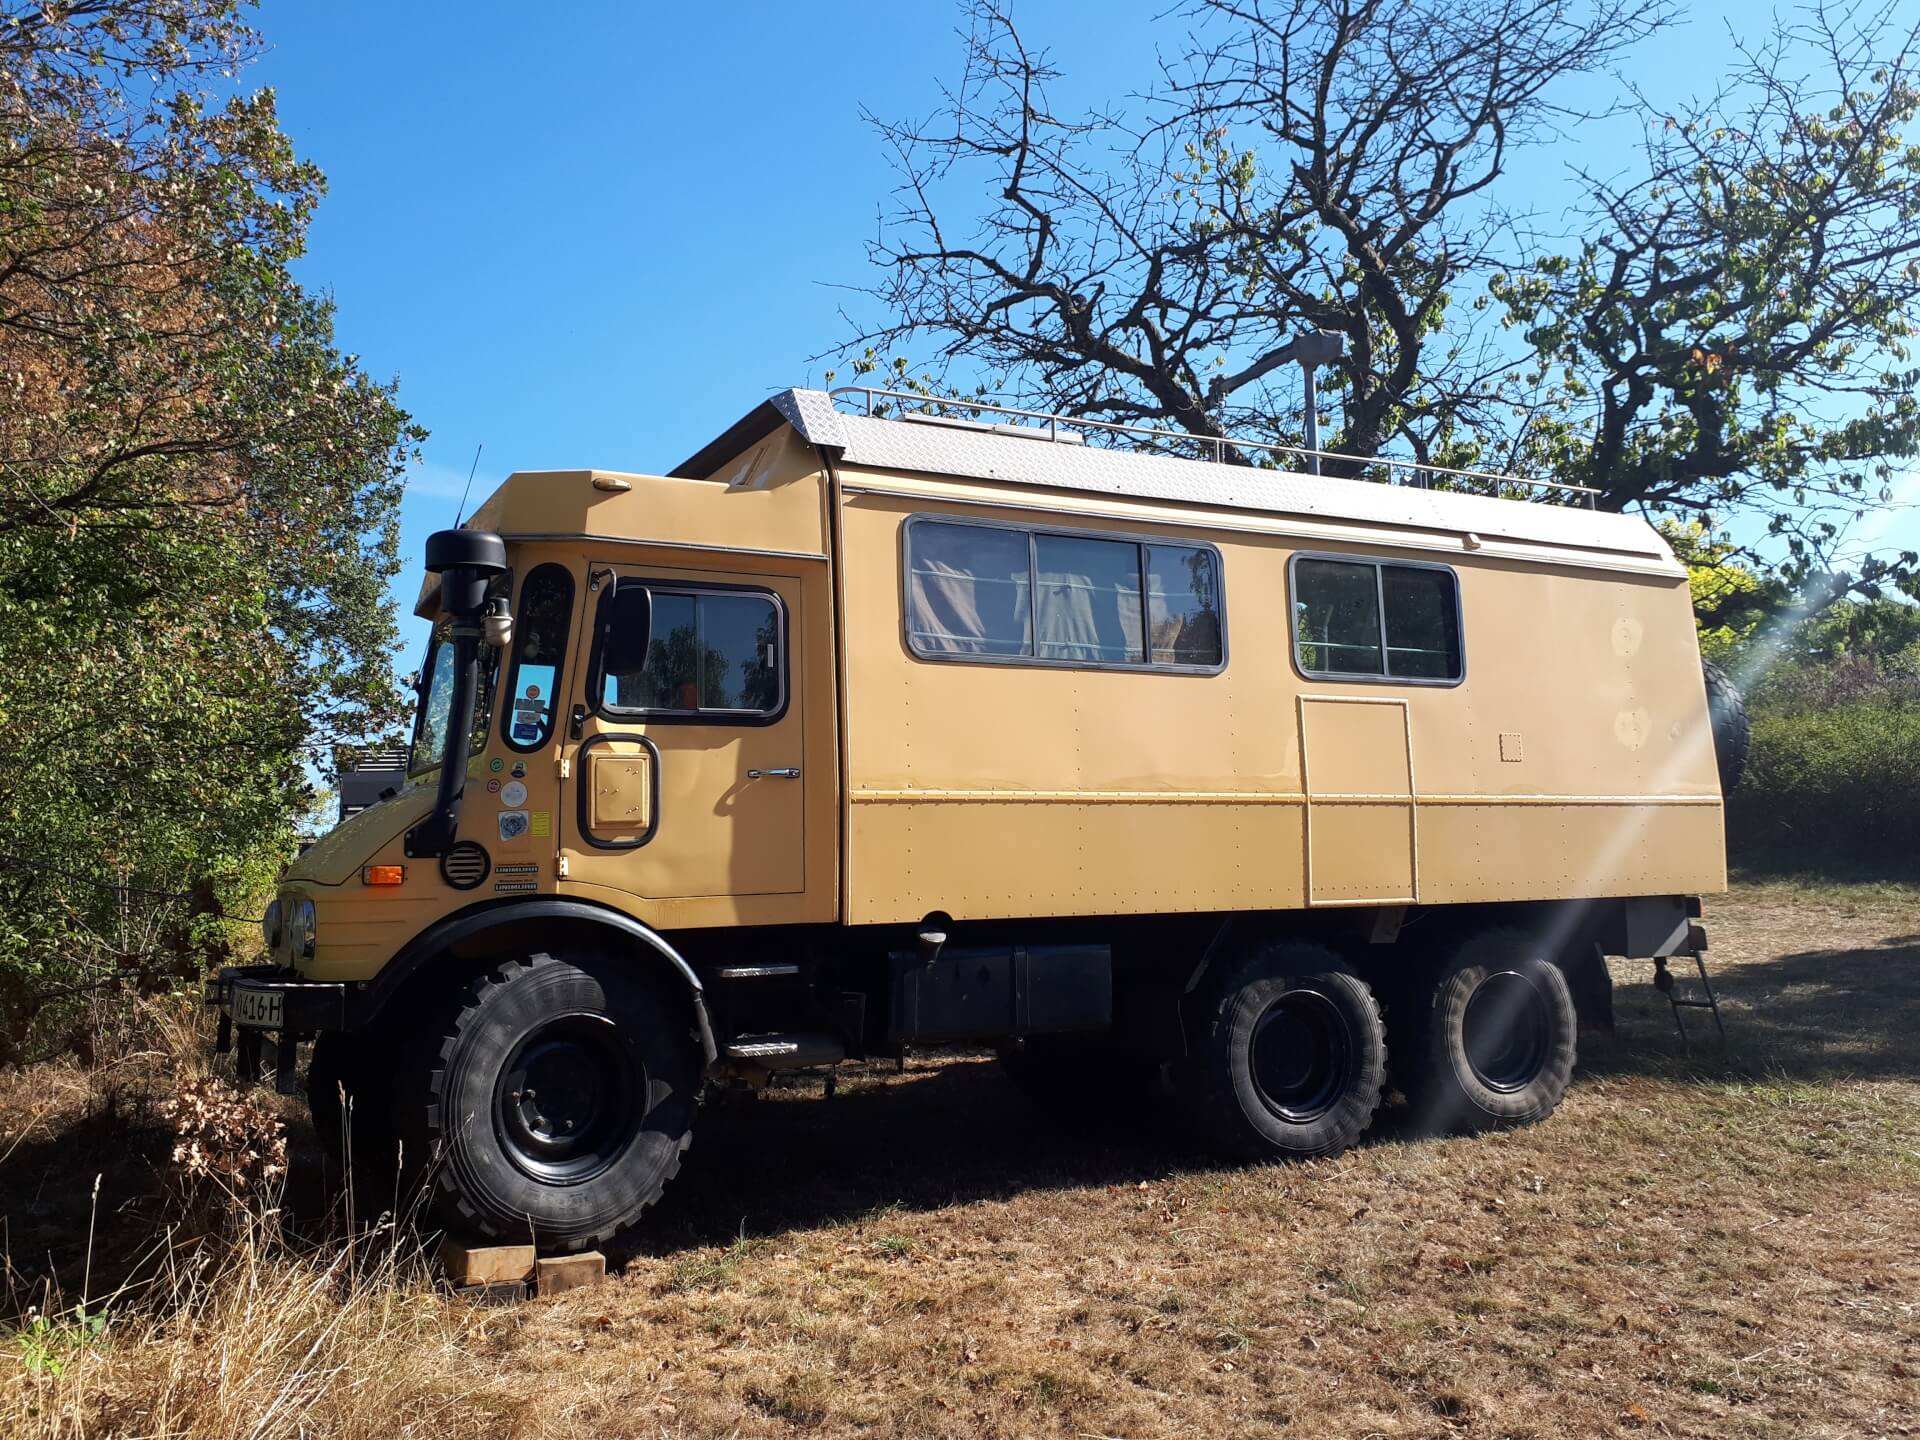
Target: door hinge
x,y
563,766
560,868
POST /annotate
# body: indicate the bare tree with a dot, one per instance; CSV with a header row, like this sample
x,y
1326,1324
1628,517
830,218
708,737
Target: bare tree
x,y
1303,164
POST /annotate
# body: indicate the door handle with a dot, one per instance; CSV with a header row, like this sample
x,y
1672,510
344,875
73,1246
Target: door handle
x,y
790,772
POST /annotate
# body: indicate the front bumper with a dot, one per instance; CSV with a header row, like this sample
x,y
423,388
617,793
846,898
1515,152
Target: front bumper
x,y
271,1005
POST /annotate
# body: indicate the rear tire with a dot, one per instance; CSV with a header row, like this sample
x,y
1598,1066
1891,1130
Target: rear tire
x,y
1288,1058
555,1101
1497,1040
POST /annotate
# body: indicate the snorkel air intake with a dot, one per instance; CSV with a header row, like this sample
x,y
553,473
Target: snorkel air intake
x,y
466,561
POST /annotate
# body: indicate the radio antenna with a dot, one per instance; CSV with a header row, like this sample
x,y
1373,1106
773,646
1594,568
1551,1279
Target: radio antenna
x,y
469,486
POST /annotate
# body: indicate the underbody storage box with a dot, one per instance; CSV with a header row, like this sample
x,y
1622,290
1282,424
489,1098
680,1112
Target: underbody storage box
x,y
993,992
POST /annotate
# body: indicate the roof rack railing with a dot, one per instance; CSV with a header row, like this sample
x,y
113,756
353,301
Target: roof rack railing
x,y
1420,473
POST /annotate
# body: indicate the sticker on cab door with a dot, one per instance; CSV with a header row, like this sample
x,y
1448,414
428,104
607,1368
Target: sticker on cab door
x,y
513,794
513,827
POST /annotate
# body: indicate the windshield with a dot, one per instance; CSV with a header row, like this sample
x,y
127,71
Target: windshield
x,y
436,701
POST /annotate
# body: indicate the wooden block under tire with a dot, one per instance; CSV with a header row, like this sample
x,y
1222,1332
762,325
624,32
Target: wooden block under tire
x,y
568,1272
467,1265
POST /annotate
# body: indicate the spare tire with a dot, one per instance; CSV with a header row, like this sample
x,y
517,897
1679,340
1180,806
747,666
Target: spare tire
x,y
1727,711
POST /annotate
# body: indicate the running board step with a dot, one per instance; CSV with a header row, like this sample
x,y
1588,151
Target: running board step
x,y
788,1052
755,972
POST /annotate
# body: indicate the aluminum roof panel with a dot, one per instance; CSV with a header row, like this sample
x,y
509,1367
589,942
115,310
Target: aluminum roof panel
x,y
927,447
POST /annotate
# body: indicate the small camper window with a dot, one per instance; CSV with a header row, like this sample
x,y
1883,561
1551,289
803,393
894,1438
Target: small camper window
x,y
705,654
1372,620
1068,598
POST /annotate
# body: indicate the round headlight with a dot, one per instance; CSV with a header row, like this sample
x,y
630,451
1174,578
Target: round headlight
x,y
302,927
270,926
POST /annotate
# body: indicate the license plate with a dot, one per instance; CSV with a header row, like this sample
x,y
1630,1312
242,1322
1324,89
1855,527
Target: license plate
x,y
257,1009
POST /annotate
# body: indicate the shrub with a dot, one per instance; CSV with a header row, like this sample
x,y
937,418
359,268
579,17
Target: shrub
x,y
1833,775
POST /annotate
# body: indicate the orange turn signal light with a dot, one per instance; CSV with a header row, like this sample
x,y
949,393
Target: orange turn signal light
x,y
382,874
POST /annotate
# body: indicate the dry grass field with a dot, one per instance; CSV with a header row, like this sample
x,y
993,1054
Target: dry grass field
x,y
1699,1244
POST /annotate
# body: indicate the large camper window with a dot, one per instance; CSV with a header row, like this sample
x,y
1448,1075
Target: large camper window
x,y
1369,620
969,588
1088,594
996,592
691,653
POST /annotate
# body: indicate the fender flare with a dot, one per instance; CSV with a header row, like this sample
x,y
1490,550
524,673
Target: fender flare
x,y
478,919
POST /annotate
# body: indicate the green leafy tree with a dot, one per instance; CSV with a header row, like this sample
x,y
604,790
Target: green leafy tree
x,y
198,500
1734,340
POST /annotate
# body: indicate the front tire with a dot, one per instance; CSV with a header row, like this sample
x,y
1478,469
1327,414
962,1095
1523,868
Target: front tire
x,y
1497,1040
557,1101
1289,1057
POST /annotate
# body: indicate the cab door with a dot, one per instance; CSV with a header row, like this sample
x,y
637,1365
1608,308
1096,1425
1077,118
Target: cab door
x,y
687,738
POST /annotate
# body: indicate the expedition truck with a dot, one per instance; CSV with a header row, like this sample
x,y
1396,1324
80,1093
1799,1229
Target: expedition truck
x,y
859,732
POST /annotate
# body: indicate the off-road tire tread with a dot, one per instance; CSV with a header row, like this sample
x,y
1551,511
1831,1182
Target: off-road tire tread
x,y
1447,1103
446,1196
1205,1080
1732,730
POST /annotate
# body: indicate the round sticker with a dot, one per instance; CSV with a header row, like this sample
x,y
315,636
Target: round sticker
x,y
533,692
514,794
493,786
519,770
496,764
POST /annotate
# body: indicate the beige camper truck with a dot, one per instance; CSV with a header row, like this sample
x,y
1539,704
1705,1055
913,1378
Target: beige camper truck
x,y
863,731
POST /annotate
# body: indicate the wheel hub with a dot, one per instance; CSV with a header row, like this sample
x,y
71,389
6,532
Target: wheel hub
x,y
1508,1031
565,1099
1302,1056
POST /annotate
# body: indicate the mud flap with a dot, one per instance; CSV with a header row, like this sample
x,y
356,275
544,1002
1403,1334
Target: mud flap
x,y
1592,985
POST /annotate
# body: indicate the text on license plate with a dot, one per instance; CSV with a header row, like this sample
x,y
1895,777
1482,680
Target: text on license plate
x,y
258,1009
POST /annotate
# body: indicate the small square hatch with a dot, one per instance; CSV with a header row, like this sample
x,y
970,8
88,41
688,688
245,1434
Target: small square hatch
x,y
620,792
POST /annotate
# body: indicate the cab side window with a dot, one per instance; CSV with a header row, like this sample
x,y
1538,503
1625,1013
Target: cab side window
x,y
1375,620
540,643
691,653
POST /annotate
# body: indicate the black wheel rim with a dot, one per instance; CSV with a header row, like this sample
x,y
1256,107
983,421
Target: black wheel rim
x,y
1302,1056
567,1099
1508,1031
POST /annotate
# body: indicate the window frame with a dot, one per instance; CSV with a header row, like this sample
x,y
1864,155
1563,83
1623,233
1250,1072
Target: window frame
x,y
485,692
1379,563
596,673
1137,539
559,670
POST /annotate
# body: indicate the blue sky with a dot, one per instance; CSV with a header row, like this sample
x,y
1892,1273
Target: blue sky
x,y
595,234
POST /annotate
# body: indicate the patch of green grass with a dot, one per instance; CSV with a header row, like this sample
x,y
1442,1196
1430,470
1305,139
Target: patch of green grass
x,y
712,1272
1791,878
